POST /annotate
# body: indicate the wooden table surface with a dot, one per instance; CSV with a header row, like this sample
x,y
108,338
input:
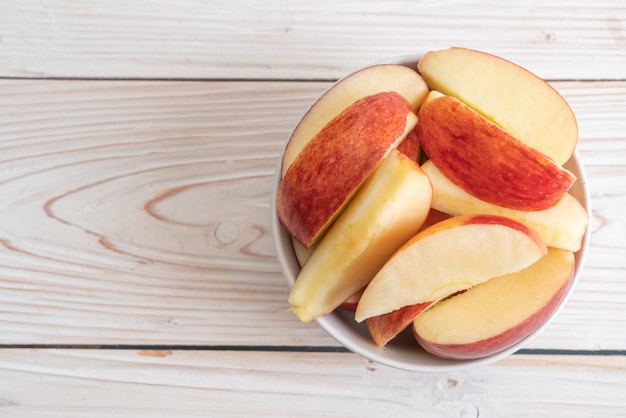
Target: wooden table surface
x,y
138,275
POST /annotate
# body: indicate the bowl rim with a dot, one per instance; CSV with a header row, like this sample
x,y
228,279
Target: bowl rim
x,y
354,337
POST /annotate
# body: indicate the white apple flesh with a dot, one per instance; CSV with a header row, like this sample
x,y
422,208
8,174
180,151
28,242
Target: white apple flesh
x,y
497,314
562,226
450,256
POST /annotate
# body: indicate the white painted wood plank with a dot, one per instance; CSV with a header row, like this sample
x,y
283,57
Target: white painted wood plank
x,y
138,213
129,209
306,39
102,383
602,146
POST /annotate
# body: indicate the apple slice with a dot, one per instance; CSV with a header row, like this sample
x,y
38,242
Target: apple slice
x,y
383,328
485,160
352,301
450,256
497,314
336,162
375,79
562,226
385,213
512,97
301,252
410,146
434,216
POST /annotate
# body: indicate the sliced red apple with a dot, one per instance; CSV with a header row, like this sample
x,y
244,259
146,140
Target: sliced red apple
x,y
375,79
512,97
301,252
435,216
497,314
352,301
336,162
383,328
485,160
389,209
562,226
410,146
450,256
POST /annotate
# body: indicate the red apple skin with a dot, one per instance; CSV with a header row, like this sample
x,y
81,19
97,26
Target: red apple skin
x,y
370,80
482,80
383,328
331,167
486,161
410,146
434,216
349,306
352,302
498,343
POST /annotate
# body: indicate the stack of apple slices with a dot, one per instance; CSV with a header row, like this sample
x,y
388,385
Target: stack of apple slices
x,y
474,247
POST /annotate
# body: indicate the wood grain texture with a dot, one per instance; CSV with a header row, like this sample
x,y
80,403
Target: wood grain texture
x,y
309,39
131,208
137,212
79,383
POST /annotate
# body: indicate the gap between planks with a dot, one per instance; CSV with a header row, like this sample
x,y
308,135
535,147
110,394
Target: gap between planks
x,y
260,80
269,348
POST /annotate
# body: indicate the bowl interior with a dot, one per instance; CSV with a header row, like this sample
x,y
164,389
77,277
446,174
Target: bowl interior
x,y
403,352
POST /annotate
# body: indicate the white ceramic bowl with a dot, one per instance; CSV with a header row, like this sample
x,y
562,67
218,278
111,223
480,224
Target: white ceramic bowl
x,y
403,352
